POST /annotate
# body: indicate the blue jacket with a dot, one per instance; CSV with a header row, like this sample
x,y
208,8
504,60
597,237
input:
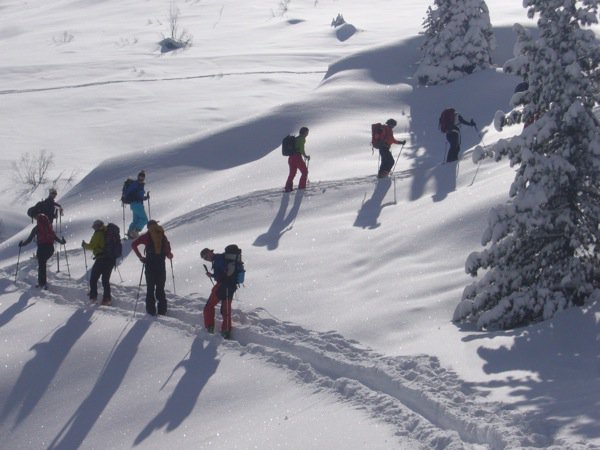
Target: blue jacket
x,y
136,192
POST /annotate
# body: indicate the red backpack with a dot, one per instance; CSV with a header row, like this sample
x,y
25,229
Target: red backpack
x,y
377,135
45,234
447,120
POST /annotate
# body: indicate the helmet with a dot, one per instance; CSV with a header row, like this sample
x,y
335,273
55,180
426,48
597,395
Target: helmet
x,y
391,123
97,224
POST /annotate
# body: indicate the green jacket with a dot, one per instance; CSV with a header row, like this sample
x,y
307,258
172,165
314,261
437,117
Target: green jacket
x,y
96,244
300,141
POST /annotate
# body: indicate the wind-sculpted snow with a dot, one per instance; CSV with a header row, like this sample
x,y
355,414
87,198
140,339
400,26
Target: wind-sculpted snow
x,y
425,402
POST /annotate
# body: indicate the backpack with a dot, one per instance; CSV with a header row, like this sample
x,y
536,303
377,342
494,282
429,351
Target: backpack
x,y
235,265
288,145
45,234
112,242
126,198
377,133
447,120
35,210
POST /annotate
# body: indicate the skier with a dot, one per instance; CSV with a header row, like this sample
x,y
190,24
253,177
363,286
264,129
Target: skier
x,y
387,139
136,192
222,291
157,248
45,238
48,207
103,264
296,162
449,124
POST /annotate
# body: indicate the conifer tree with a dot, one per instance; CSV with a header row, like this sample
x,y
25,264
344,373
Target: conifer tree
x,y
458,40
542,253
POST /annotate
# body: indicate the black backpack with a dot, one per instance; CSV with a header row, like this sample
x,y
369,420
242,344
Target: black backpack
x,y
112,242
124,198
235,265
288,145
447,120
35,210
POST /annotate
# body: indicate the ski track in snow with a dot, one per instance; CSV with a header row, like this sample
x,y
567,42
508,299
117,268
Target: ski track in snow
x,y
425,403
154,80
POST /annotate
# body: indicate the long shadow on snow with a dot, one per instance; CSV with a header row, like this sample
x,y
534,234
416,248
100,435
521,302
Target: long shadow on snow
x,y
282,222
38,373
369,212
199,368
80,424
16,308
552,351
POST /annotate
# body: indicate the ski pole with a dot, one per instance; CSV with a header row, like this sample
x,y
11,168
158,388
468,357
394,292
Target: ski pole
x,y
87,275
118,270
397,157
149,213
123,207
58,260
18,259
208,274
173,276
138,291
66,257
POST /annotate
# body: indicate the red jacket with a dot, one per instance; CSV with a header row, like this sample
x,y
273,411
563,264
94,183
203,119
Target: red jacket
x,y
388,136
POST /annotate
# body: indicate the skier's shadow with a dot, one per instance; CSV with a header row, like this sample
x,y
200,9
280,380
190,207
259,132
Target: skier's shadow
x,y
282,223
16,308
75,431
199,368
369,212
445,176
38,373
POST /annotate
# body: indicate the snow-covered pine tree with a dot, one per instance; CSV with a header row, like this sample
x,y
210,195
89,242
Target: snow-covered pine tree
x,y
542,251
458,40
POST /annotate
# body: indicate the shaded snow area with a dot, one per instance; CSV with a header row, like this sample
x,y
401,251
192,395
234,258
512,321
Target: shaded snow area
x,y
342,334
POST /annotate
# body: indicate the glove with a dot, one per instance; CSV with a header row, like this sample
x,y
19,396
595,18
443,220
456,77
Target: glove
x,y
308,157
143,260
20,243
473,123
170,255
63,241
83,244
402,142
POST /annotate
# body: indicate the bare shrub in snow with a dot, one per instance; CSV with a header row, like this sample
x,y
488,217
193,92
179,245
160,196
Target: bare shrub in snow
x,y
541,252
458,40
32,170
176,39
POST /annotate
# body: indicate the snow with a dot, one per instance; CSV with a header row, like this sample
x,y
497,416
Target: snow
x,y
342,334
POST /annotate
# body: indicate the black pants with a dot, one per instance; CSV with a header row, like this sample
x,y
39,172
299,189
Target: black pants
x,y
44,253
102,267
453,138
156,276
387,160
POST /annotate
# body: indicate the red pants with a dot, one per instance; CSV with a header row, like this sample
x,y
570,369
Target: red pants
x,y
209,309
296,163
